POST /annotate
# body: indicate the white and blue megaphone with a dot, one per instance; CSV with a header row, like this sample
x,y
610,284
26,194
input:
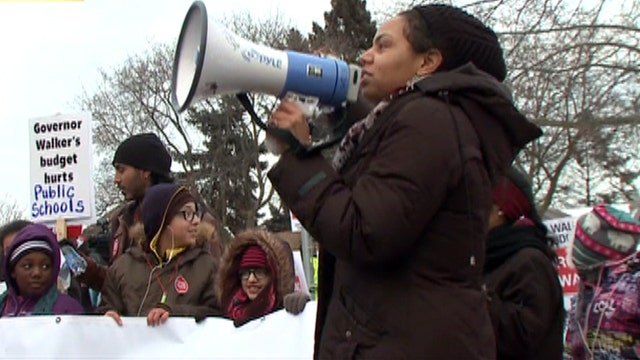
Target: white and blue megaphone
x,y
210,60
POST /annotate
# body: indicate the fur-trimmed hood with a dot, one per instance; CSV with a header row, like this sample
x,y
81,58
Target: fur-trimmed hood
x,y
206,232
278,253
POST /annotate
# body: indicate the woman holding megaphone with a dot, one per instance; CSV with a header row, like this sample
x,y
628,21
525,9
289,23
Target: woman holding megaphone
x,y
401,212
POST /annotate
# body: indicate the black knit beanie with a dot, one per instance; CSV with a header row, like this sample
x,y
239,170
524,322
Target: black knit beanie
x,y
462,38
145,152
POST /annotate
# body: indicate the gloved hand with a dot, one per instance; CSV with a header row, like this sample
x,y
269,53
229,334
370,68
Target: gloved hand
x,y
67,241
295,302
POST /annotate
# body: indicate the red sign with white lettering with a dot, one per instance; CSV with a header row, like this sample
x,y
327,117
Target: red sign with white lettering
x,y
568,275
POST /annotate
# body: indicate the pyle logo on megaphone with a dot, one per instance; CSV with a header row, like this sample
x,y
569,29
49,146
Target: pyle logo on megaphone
x,y
254,55
211,60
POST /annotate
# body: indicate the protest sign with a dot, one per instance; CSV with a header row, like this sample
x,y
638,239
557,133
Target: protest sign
x,y
61,161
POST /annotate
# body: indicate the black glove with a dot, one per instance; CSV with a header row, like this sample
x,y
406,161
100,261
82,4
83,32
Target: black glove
x,y
67,241
295,302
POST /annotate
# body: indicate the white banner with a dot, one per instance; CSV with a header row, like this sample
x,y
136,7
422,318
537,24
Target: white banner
x,y
277,336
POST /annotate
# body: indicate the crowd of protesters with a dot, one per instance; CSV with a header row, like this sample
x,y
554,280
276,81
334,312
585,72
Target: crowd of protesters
x,y
430,244
163,258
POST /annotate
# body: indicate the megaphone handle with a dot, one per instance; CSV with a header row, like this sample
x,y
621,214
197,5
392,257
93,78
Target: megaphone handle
x,y
283,135
286,136
246,103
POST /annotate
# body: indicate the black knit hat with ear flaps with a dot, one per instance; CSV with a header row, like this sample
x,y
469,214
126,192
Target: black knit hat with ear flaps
x,y
462,38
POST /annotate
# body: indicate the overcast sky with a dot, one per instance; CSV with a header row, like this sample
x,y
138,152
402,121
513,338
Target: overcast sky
x,y
51,51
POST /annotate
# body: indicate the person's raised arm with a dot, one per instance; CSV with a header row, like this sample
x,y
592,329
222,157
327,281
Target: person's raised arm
x,y
378,218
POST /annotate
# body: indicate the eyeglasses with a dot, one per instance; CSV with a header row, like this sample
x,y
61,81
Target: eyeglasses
x,y
189,215
258,273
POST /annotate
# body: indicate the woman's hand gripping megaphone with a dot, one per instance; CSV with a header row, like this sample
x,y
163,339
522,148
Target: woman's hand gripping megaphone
x,y
288,116
294,112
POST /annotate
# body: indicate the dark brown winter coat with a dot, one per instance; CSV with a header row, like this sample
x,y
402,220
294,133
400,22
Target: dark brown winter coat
x,y
401,227
121,240
526,307
130,278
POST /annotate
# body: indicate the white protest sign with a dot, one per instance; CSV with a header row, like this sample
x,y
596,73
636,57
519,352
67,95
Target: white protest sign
x,y
301,280
296,226
279,335
61,168
563,230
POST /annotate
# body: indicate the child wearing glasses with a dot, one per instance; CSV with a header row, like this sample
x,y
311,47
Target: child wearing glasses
x,y
171,271
257,277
